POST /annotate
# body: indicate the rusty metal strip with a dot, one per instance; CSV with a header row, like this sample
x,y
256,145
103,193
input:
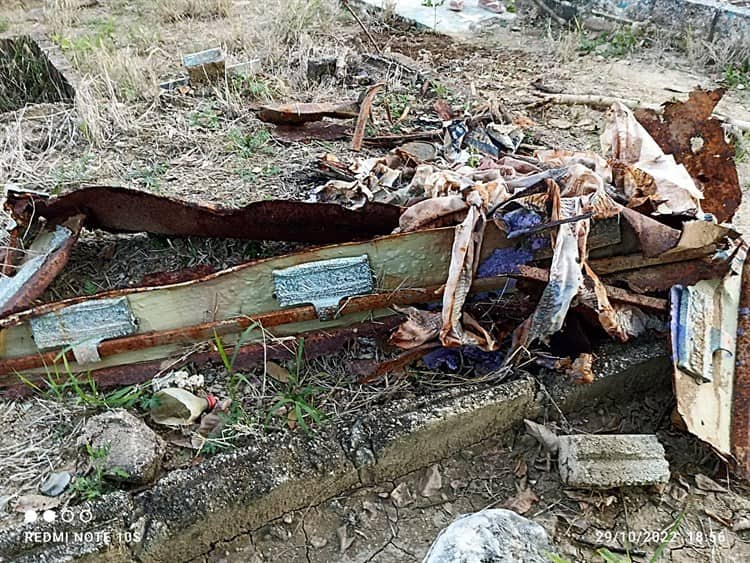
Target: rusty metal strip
x,y
364,112
40,270
9,367
125,210
317,343
614,293
741,391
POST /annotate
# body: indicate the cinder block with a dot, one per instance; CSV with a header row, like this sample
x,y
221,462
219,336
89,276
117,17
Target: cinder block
x,y
607,461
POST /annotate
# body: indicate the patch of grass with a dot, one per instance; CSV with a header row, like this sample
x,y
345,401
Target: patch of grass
x,y
176,10
253,87
296,399
737,75
205,117
148,176
248,144
4,24
61,382
101,36
75,172
616,44
510,6
93,485
252,175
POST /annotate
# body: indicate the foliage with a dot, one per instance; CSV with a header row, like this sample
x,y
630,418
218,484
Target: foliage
x,y
297,399
250,143
93,485
737,75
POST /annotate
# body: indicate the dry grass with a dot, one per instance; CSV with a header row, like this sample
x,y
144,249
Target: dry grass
x,y
176,10
34,440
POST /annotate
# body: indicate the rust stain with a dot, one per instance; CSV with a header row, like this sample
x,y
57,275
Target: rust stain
x,y
741,389
125,210
696,140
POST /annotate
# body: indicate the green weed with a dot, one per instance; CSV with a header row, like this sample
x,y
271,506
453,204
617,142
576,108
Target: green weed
x,y
101,36
4,24
205,117
297,399
253,87
248,144
93,485
148,176
616,44
737,75
76,172
252,175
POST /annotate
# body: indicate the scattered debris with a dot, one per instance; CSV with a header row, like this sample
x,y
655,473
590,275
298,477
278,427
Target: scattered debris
x,y
707,484
133,451
178,407
431,482
491,535
544,435
522,502
608,461
402,495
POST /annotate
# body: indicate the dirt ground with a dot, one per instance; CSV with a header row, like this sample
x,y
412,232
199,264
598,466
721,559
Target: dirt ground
x,y
208,146
396,522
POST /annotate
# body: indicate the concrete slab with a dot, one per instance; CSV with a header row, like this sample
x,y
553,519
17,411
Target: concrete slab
x,y
440,18
609,461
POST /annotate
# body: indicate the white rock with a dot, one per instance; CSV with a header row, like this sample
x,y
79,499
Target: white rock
x,y
496,535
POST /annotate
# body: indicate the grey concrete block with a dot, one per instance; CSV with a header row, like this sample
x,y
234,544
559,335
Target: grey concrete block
x,y
607,461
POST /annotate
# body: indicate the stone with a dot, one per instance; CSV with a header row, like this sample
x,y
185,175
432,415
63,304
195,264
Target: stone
x,y
318,69
133,448
54,484
496,535
608,461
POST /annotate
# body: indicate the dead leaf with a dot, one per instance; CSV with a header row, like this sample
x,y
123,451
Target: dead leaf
x,y
581,369
418,328
521,468
431,213
401,495
522,502
36,502
707,484
720,519
544,435
279,373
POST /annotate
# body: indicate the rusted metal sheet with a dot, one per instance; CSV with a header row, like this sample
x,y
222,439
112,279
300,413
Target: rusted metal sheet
x,y
126,210
295,114
696,140
741,394
190,335
47,257
706,405
317,343
662,277
614,293
364,114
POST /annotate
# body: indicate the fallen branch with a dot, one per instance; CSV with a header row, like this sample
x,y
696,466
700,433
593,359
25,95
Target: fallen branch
x,y
362,25
598,101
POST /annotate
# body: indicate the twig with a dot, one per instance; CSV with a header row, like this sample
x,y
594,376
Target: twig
x,y
606,101
362,25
